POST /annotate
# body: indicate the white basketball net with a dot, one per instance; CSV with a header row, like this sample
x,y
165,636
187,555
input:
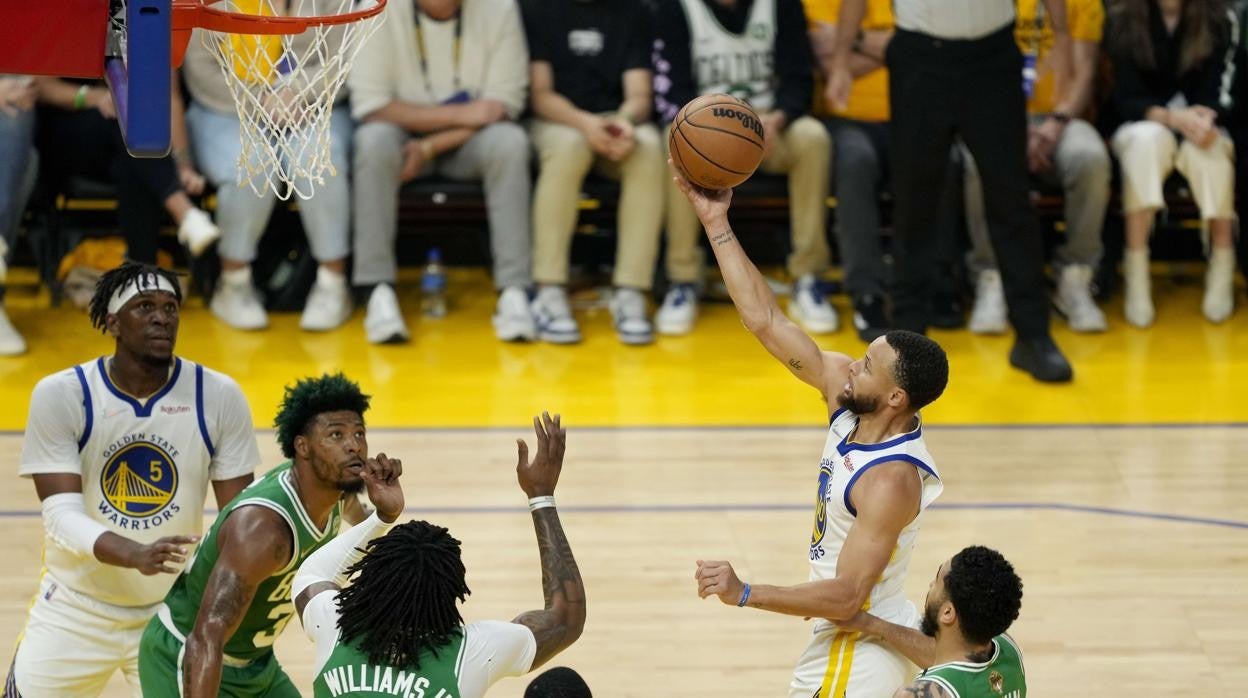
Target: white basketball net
x,y
285,88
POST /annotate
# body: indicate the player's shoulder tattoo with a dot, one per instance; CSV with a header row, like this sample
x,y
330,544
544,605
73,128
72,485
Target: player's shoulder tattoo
x,y
923,689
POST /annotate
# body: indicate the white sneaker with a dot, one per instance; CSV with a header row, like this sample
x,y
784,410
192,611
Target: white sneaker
x,y
197,231
237,303
988,315
679,310
1074,299
811,309
553,316
1219,300
628,314
513,320
328,304
383,321
1138,300
11,342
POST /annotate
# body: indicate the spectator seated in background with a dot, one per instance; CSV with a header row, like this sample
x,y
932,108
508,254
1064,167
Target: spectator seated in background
x,y
1173,64
437,89
590,80
1062,150
78,135
17,179
213,121
859,155
759,51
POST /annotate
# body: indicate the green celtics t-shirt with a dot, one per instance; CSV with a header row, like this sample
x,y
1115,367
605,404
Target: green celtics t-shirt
x,y
1001,676
272,607
475,658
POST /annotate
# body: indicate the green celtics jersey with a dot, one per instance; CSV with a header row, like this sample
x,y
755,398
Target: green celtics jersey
x,y
347,672
271,608
1000,677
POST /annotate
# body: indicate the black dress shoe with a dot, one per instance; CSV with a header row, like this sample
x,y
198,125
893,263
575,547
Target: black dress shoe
x,y
1040,357
947,311
869,318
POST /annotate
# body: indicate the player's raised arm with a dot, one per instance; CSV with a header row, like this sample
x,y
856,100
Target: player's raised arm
x,y
560,623
887,499
761,314
253,543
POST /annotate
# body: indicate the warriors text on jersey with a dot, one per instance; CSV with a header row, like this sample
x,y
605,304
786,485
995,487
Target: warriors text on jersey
x,y
842,464
145,464
1002,676
271,608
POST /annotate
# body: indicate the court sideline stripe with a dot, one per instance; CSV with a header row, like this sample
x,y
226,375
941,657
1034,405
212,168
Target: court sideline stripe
x,y
687,508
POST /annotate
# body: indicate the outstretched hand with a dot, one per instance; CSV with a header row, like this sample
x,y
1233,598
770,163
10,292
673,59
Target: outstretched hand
x,y
710,205
539,477
381,477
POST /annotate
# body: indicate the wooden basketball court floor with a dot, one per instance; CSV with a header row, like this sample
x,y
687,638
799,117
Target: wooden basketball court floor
x,y
1122,499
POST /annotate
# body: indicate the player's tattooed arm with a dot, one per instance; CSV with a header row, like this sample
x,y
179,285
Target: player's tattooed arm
x,y
561,622
922,689
795,365
723,238
253,544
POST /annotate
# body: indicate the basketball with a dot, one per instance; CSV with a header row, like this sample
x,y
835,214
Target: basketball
x,y
716,141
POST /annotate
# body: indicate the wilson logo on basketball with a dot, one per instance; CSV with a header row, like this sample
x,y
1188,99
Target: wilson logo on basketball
x,y
747,120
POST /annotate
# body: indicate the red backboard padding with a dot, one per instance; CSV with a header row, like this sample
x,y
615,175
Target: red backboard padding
x,y
64,38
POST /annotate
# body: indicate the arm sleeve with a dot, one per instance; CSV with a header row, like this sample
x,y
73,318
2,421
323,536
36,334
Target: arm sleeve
x,y
320,623
674,83
370,81
1130,95
66,522
236,453
640,39
507,76
499,648
330,563
535,20
795,63
56,423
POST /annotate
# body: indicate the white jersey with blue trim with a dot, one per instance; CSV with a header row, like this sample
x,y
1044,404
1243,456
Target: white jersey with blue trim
x,y
842,464
145,464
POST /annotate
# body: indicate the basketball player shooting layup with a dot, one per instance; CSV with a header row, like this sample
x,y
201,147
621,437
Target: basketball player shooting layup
x,y
121,450
875,480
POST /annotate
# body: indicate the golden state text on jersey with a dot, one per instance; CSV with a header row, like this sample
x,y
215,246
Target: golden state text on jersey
x,y
138,481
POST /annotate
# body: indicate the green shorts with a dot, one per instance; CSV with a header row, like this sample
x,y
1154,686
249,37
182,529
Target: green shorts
x,y
160,659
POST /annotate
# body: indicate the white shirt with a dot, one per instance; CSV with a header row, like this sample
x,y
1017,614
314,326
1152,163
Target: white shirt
x,y
843,462
145,466
954,19
493,58
493,649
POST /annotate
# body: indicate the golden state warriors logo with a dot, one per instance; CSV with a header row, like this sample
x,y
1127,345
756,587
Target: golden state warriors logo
x,y
821,510
139,482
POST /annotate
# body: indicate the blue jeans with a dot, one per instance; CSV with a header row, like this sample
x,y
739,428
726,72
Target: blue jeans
x,y
243,216
18,166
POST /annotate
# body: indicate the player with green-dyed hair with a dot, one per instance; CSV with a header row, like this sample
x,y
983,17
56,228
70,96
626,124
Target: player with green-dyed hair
x,y
214,634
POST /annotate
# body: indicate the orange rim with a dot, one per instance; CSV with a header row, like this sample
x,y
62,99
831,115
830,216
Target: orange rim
x,y
189,14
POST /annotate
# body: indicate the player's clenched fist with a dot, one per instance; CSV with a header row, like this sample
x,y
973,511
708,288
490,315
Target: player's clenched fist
x,y
717,578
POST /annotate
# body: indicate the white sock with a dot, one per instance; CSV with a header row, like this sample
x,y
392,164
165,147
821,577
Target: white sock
x,y
328,278
237,277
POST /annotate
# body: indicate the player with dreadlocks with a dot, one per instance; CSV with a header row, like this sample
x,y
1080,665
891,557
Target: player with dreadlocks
x,y
396,629
215,633
121,450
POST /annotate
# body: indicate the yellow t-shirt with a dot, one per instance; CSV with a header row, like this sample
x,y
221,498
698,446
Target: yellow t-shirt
x,y
1086,21
868,98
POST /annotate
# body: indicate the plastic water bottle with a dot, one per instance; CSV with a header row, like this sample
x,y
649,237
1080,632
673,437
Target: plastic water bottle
x,y
433,286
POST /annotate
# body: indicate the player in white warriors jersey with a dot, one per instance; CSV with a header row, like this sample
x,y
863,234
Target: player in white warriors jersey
x,y
876,478
122,450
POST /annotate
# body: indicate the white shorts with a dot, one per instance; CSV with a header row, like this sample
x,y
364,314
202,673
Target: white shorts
x,y
844,664
72,645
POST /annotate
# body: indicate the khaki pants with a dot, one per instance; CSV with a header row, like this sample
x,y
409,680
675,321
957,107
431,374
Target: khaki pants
x,y
565,158
804,153
1149,151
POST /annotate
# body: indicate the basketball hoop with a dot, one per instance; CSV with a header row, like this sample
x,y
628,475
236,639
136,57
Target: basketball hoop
x,y
285,62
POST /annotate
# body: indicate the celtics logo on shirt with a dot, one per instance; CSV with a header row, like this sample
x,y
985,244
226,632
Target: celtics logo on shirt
x,y
139,480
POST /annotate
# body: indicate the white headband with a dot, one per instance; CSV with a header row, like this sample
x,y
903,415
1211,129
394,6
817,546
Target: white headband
x,y
145,283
